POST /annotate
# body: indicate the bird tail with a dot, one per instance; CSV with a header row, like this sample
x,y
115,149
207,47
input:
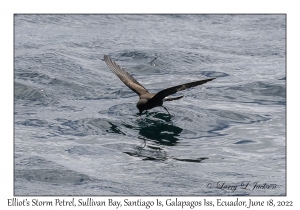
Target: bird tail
x,y
172,99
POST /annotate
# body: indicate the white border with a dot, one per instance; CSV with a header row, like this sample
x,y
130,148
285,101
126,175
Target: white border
x,y
8,8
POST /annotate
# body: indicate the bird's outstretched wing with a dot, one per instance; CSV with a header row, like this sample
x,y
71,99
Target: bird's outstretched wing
x,y
169,91
124,76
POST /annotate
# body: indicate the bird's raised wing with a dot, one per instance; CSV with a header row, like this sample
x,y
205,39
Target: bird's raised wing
x,y
124,76
169,91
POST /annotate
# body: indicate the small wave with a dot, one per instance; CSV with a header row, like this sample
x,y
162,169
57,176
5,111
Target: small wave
x,y
27,92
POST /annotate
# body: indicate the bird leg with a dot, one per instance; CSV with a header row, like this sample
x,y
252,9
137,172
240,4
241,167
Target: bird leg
x,y
166,110
142,112
151,63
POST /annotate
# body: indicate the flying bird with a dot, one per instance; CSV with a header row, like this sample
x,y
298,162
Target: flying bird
x,y
148,100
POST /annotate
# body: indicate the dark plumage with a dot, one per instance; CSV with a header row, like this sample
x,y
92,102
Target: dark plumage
x,y
148,100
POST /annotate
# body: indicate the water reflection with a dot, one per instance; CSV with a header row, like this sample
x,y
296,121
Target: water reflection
x,y
159,128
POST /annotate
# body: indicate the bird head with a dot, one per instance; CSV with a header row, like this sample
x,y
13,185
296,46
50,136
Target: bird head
x,y
141,105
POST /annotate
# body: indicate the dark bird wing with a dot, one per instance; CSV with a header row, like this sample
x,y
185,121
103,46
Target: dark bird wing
x,y
169,91
125,77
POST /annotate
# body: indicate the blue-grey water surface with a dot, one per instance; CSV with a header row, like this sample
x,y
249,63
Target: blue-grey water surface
x,y
77,129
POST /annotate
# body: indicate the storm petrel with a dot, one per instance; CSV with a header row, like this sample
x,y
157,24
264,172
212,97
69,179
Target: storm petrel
x,y
148,100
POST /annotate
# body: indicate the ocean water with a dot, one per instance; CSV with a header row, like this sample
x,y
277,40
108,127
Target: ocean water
x,y
77,130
